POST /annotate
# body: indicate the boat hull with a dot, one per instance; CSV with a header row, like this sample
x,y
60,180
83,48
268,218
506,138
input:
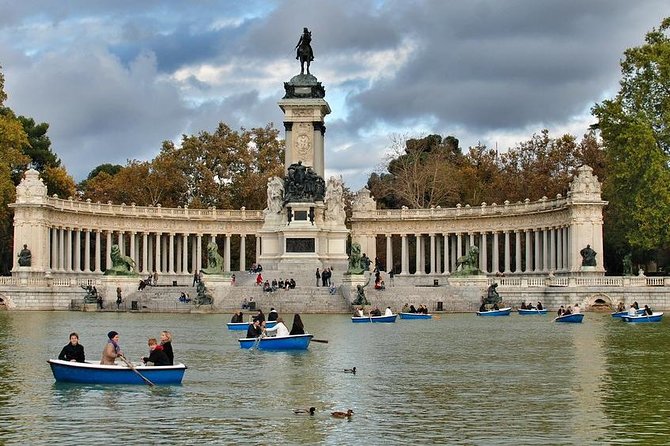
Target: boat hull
x,y
94,373
621,314
245,325
374,319
526,312
415,316
640,319
500,312
570,318
277,343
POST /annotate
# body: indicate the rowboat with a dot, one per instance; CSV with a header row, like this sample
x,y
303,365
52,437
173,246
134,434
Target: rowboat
x,y
245,325
96,373
500,312
574,318
386,319
290,342
526,312
415,316
654,317
625,313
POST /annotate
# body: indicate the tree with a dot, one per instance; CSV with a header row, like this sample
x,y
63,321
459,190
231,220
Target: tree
x,y
635,128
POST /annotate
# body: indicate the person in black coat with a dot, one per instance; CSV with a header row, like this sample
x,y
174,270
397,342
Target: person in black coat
x,y
272,315
254,330
166,343
298,328
74,351
157,357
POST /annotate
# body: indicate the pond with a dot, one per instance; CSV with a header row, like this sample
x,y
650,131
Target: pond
x,y
456,379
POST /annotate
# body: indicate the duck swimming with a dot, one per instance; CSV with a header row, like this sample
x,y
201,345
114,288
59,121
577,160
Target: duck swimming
x,y
305,411
346,414
351,370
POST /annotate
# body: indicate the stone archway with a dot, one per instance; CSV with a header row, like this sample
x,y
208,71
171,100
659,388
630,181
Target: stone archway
x,y
599,302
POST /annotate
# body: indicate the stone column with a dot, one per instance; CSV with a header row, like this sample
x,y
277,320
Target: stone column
x,y
243,252
145,252
389,252
446,253
98,250
108,251
495,254
77,250
507,253
459,245
132,249
529,252
483,254
157,258
417,260
432,269
537,250
184,253
198,252
54,249
552,249
164,251
454,253
171,248
61,250
545,250
68,251
438,255
226,259
517,251
87,251
259,241
194,254
404,256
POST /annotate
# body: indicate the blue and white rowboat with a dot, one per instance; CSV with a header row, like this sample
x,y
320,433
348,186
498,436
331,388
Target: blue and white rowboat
x,y
385,319
415,316
290,342
575,318
625,313
500,312
96,373
526,312
641,318
245,325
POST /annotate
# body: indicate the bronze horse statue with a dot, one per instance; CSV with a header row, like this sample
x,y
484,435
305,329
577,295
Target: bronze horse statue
x,y
304,50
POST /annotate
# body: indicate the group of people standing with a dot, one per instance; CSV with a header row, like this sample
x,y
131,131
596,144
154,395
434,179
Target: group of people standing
x,y
159,354
323,277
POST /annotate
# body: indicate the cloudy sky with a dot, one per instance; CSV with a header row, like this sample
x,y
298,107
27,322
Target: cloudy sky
x,y
115,79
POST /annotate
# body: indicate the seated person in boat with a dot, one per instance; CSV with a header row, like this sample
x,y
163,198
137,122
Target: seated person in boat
x,y
632,311
567,311
523,305
156,356
166,343
73,351
255,330
621,307
279,328
560,311
112,349
359,312
647,310
482,307
405,308
388,312
539,305
412,309
298,328
635,304
237,317
530,306
422,309
376,312
260,316
273,315
495,307
576,309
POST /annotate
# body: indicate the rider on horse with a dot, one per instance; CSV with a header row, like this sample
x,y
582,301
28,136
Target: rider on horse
x,y
304,51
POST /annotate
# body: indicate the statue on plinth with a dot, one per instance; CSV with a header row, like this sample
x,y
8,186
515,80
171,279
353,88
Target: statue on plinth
x,y
304,52
214,260
203,297
121,265
334,200
356,262
25,257
275,192
360,295
588,256
302,184
492,296
467,265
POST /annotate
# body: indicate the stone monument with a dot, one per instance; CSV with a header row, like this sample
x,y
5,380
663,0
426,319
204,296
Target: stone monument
x,y
304,219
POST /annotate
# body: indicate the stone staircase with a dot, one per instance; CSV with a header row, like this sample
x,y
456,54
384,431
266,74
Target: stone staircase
x,y
301,299
160,298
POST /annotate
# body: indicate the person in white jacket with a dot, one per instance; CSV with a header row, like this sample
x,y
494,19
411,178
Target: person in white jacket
x,y
388,312
280,328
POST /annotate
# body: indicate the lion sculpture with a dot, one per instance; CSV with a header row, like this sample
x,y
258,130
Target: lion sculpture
x,y
214,260
121,265
467,265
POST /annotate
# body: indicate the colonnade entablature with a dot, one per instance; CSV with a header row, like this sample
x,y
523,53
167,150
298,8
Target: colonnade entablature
x,y
545,236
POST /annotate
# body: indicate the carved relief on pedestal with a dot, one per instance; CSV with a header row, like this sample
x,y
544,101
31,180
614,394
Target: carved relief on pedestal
x,y
31,189
303,144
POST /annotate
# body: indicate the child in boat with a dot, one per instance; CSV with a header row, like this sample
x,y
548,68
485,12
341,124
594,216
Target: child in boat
x,y
157,356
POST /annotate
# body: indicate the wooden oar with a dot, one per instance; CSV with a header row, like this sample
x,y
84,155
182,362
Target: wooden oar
x,y
323,341
132,367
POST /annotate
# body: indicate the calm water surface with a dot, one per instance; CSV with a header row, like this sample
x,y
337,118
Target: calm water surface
x,y
457,380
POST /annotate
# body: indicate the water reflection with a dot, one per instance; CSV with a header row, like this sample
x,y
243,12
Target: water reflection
x,y
457,380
